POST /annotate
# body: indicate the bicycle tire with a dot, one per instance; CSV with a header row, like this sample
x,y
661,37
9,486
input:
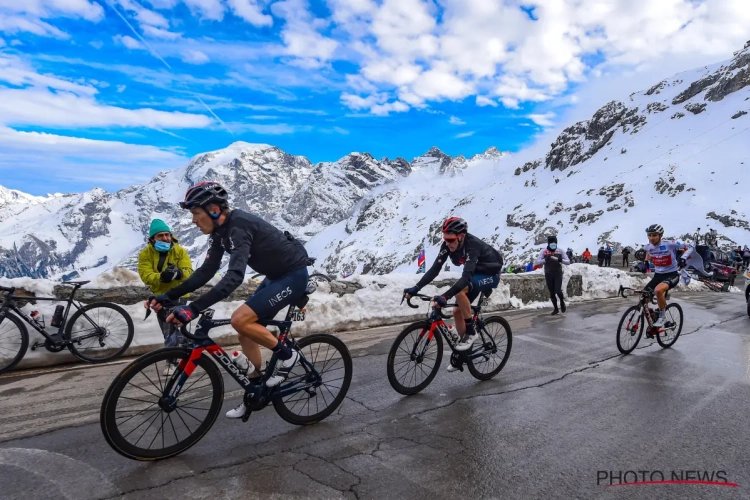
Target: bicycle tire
x,y
79,352
325,277
667,344
108,415
24,345
472,366
642,321
423,327
281,405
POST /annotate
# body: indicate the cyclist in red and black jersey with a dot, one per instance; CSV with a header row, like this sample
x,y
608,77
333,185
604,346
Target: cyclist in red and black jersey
x,y
481,273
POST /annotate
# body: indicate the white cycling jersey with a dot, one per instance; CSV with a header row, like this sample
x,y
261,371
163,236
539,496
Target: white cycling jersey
x,y
664,256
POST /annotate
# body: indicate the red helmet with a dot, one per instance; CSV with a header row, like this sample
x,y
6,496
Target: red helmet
x,y
203,193
455,225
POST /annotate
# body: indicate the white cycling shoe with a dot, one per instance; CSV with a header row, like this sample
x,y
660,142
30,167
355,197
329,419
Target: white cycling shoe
x,y
282,369
466,342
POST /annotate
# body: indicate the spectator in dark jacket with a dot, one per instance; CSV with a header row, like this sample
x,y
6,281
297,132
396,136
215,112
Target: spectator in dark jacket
x,y
600,256
625,256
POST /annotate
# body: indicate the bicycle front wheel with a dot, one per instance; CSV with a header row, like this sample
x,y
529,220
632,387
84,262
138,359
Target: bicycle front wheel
x,y
99,332
630,329
14,340
414,359
496,341
672,326
318,395
143,415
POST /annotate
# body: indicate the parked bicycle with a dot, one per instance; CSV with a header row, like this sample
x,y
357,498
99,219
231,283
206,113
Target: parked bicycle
x,y
95,333
415,356
641,316
147,416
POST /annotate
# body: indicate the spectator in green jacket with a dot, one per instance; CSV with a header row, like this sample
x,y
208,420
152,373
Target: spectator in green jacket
x,y
163,265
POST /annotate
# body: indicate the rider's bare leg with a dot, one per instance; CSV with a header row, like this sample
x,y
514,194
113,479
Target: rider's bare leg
x,y
462,311
661,300
244,321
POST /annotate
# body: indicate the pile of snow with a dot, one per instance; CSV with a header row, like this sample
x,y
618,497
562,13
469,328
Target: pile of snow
x,y
39,287
118,276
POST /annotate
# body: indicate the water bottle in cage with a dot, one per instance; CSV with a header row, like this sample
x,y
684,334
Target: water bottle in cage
x,y
57,317
240,361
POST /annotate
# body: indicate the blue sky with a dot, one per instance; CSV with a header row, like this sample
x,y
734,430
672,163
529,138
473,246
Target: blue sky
x,y
109,92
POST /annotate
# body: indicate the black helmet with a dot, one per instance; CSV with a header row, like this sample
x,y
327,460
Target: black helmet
x,y
455,225
204,193
655,228
551,239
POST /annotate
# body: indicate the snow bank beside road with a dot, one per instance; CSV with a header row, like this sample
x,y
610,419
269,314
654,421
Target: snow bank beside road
x,y
377,303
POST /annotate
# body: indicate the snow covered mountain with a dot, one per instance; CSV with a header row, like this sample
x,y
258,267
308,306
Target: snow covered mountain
x,y
673,154
87,234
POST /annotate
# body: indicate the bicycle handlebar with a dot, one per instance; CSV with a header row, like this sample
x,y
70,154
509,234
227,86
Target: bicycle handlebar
x,y
6,289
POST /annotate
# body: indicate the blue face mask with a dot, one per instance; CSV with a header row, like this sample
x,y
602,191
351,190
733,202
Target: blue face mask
x,y
553,246
162,247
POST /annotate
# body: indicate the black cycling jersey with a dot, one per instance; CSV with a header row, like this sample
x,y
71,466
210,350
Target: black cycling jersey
x,y
475,255
250,241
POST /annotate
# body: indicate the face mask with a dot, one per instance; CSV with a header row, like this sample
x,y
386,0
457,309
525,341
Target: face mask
x,y
162,247
553,246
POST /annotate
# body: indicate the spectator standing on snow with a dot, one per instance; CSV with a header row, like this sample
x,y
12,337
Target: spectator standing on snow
x,y
625,257
600,256
608,256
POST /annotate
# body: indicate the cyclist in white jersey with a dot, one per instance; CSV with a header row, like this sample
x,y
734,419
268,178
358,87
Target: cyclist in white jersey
x,y
663,254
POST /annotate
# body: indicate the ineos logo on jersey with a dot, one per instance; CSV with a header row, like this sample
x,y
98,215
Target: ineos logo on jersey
x,y
280,296
486,281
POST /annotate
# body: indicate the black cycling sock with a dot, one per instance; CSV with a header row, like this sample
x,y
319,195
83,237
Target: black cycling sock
x,y
469,326
282,351
554,302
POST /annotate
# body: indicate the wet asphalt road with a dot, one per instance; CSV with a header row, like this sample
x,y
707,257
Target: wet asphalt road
x,y
565,411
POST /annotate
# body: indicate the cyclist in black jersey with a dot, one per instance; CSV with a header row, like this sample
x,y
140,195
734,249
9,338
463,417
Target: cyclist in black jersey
x,y
250,241
482,265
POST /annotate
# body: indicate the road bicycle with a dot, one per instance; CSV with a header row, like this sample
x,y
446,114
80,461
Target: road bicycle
x,y
642,315
95,333
415,356
148,416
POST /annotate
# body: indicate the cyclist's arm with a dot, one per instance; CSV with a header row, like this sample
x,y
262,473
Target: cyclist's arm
x,y
242,241
203,274
433,271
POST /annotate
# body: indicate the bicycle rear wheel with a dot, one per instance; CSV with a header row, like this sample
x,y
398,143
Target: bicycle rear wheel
x,y
139,423
14,340
100,332
488,360
414,358
318,396
629,336
672,326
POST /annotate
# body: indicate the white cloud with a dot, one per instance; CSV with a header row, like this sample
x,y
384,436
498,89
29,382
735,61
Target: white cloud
x,y
15,72
495,50
464,134
111,164
543,120
454,120
250,11
155,32
194,57
97,44
143,15
485,101
268,129
128,41
67,110
16,43
2,42
47,9
11,24
207,9
121,88
302,41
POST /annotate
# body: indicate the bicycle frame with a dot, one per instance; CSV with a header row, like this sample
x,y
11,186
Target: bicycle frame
x,y
9,304
203,344
644,305
437,323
